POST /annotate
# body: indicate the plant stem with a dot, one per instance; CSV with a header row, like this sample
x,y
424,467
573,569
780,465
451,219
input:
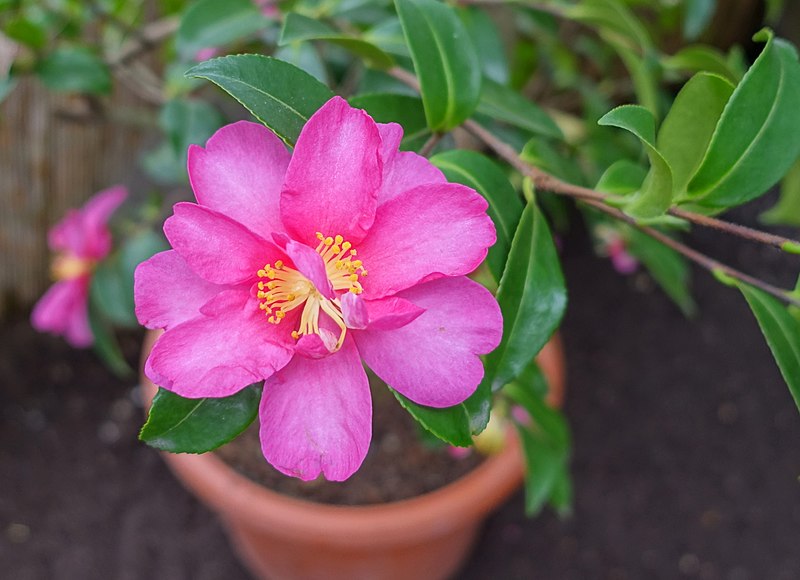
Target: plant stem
x,y
432,142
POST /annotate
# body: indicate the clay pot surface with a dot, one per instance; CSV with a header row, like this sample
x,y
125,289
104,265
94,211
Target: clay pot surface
x,y
429,536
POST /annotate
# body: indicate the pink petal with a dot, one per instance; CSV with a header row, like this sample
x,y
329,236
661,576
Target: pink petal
x,y
310,264
334,175
63,311
402,170
317,345
390,313
167,292
316,416
431,230
85,232
240,173
216,247
434,359
354,310
231,345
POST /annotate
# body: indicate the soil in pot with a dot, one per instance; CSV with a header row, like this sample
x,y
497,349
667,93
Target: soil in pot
x,y
402,462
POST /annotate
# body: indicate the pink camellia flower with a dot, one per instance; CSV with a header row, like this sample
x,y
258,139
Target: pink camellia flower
x,y
614,245
294,268
80,240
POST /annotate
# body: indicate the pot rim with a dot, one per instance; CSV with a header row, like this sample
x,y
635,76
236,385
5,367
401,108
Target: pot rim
x,y
469,498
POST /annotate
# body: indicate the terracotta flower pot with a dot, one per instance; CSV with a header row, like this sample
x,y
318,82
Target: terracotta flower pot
x,y
428,536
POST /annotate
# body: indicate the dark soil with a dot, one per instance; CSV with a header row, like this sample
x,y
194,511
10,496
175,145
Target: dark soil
x,y
686,452
398,464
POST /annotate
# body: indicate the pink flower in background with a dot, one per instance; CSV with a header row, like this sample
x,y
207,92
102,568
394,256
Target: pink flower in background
x,y
614,245
207,53
294,268
79,240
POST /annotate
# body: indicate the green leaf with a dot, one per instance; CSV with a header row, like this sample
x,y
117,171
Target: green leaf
x,y
782,332
621,178
655,197
105,344
545,443
539,153
643,71
75,70
305,57
507,105
755,141
505,207
212,24
697,14
445,61
181,425
388,36
687,129
613,19
26,32
278,94
787,210
668,268
488,44
111,295
532,298
403,109
450,424
701,58
297,27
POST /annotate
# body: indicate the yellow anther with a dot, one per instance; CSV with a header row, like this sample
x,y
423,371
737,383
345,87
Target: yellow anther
x,y
270,274
295,335
357,263
339,265
356,290
279,264
280,314
272,320
353,277
363,273
260,285
262,274
338,240
346,246
264,306
328,241
271,285
353,253
335,249
262,295
290,297
320,237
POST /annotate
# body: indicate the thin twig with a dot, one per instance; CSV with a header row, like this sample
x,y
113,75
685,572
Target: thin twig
x,y
432,142
699,258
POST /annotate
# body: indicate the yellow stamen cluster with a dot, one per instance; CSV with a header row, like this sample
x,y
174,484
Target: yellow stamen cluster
x,y
69,267
281,288
343,270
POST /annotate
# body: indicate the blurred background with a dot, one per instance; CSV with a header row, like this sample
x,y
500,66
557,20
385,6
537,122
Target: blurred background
x,y
686,460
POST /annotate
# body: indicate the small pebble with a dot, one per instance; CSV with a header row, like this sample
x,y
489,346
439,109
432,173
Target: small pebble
x,y
689,564
108,432
18,533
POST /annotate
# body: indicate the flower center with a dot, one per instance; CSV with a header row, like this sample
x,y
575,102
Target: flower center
x,y
69,267
282,288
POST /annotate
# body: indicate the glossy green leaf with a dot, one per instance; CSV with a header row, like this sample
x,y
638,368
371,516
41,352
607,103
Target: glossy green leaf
x,y
304,56
787,210
687,129
545,156
111,294
755,141
388,36
668,268
484,176
445,60
181,425
621,178
696,16
545,443
278,94
655,197
643,71
450,424
507,105
297,27
782,332
701,58
213,24
488,44
532,298
75,70
403,109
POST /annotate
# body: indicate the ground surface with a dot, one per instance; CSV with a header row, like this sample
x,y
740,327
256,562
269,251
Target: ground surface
x,y
687,453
